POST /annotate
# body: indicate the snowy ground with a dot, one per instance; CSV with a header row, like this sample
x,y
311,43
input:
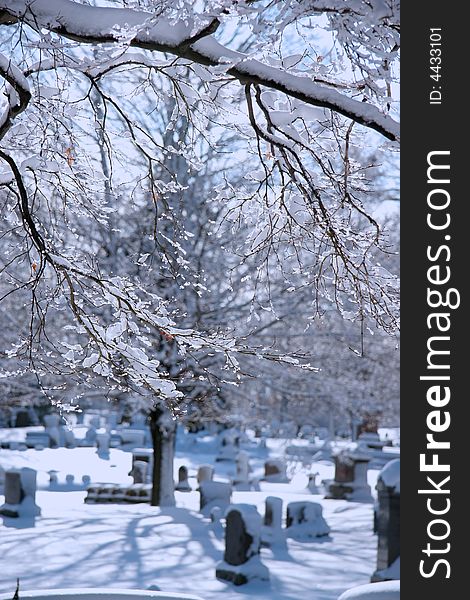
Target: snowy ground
x,y
137,546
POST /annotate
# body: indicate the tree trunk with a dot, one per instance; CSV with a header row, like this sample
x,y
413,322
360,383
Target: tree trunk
x,y
163,431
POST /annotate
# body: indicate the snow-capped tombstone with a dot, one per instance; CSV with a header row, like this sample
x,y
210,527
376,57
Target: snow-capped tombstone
x,y
111,421
214,493
139,471
275,471
304,520
229,443
37,438
115,439
242,545
350,482
95,422
23,419
134,437
205,473
92,494
139,421
69,438
183,483
388,521
51,424
53,479
20,493
90,436
372,441
242,477
271,531
143,455
139,492
312,483
99,493
102,442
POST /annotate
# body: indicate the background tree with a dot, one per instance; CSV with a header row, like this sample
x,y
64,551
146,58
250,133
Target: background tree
x,y
111,117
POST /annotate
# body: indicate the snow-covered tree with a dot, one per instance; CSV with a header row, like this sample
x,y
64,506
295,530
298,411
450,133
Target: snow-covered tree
x,y
282,95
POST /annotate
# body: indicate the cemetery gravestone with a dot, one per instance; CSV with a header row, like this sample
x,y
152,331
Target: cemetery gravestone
x,y
95,422
214,493
312,483
205,473
271,531
51,424
134,437
388,521
183,483
111,421
37,438
241,479
229,443
372,441
23,419
20,493
242,546
139,471
144,455
275,471
69,438
13,491
350,482
102,442
90,436
304,520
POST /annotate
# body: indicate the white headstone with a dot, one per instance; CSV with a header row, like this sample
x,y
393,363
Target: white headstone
x,y
305,520
139,471
51,423
242,477
205,473
214,493
102,441
69,438
271,531
20,493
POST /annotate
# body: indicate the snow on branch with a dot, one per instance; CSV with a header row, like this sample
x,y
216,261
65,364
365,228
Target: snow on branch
x,y
121,345
186,39
17,93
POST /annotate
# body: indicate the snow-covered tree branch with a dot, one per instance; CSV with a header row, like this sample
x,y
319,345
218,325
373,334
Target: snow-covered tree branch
x,y
172,170
188,39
